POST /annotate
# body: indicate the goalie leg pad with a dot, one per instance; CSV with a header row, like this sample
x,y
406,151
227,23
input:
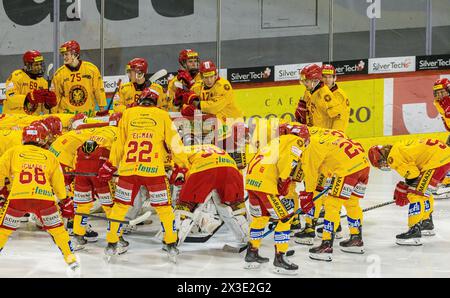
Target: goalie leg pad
x,y
236,220
185,220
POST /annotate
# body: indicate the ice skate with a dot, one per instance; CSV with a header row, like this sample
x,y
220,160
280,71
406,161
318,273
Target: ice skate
x,y
411,237
73,267
91,235
306,236
282,265
354,244
172,251
427,227
323,252
78,242
113,249
252,258
123,242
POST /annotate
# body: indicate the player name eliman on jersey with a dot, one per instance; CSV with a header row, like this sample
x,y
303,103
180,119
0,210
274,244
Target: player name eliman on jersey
x,y
138,135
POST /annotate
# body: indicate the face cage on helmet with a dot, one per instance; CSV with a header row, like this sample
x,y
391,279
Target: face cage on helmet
x,y
436,91
30,69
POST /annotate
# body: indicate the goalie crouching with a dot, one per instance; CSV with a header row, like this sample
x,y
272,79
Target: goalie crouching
x,y
213,177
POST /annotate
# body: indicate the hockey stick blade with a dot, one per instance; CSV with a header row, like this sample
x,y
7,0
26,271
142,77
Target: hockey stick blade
x,y
157,75
140,219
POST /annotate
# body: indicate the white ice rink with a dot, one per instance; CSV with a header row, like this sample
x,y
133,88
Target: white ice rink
x,y
32,253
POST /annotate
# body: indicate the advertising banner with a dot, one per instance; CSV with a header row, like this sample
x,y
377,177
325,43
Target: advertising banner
x,y
393,64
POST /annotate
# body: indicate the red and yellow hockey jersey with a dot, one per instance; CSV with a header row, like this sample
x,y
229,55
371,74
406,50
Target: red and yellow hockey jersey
x,y
129,93
323,107
412,157
35,173
218,100
341,122
143,133
205,157
78,90
18,85
442,113
9,138
276,160
331,152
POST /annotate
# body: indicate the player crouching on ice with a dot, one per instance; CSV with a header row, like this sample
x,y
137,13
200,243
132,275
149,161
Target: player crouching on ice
x,y
36,179
213,175
268,179
138,154
424,164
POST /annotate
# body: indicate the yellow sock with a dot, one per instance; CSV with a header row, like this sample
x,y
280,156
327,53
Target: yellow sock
x,y
118,212
257,230
4,236
62,240
428,207
281,236
80,222
315,212
107,210
331,219
354,214
167,218
415,213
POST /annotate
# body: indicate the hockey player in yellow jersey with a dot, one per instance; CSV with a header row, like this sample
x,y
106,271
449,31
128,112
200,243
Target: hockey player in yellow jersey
x,y
37,184
423,163
139,154
319,107
187,76
269,176
26,89
330,152
78,84
329,78
129,93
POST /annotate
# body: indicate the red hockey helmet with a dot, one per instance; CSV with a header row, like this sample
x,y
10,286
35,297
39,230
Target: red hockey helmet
x,y
70,45
185,55
377,158
298,130
208,68
441,84
311,72
36,134
328,69
148,96
34,62
53,124
115,118
139,64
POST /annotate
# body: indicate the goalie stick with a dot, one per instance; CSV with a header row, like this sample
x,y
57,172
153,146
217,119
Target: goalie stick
x,y
229,248
87,174
132,222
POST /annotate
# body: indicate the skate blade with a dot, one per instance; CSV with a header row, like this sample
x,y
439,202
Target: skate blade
x,y
353,250
338,235
304,241
172,258
428,233
321,257
91,240
73,271
252,265
78,247
283,271
409,242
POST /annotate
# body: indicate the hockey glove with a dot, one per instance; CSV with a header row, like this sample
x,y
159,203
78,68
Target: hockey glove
x,y
185,77
301,112
178,176
306,201
36,96
188,110
401,194
67,208
50,99
106,172
283,186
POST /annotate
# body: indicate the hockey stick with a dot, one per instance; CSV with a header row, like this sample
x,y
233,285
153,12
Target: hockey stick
x,y
157,75
230,248
368,209
49,80
85,174
114,94
132,222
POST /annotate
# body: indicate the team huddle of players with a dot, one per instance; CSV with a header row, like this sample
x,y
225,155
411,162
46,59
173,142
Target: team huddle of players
x,y
58,155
